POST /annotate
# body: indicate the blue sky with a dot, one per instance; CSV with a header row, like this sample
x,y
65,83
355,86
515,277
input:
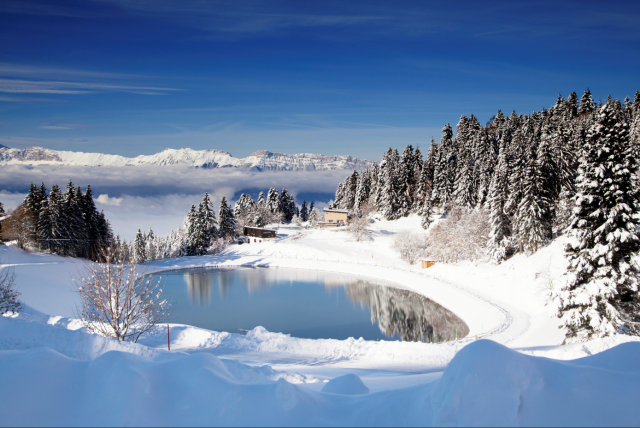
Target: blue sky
x,y
134,77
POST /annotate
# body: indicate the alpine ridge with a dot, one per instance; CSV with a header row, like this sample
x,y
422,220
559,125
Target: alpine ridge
x,y
209,159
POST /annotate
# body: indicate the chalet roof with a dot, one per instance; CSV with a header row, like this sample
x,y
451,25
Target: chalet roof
x,y
259,228
334,210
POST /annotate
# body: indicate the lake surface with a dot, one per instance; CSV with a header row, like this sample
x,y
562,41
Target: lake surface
x,y
307,304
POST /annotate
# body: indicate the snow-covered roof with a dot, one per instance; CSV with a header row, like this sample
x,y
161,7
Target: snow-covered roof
x,y
333,210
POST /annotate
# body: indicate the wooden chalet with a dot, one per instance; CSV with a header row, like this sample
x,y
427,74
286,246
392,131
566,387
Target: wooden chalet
x,y
258,234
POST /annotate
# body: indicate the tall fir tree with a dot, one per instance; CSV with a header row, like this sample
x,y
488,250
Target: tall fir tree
x,y
226,221
600,297
304,212
139,248
273,200
500,234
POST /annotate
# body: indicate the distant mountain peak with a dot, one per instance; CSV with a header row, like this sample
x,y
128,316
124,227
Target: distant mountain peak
x,y
262,160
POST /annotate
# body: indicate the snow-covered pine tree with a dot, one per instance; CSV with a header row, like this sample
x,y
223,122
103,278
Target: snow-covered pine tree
x,y
75,229
1,208
273,201
374,176
285,206
351,190
341,195
244,207
314,216
600,296
304,212
261,199
517,154
139,248
388,196
426,213
485,148
363,191
293,209
226,221
465,194
32,201
586,104
425,182
499,237
441,193
194,233
151,246
572,105
532,217
207,218
407,181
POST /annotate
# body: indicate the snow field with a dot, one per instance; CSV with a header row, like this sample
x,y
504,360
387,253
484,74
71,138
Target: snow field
x,y
64,376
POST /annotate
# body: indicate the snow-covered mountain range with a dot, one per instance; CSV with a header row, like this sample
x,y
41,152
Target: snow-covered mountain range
x,y
258,161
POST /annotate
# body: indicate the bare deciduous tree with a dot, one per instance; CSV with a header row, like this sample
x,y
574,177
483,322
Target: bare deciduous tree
x,y
8,293
410,245
118,301
358,228
20,226
462,235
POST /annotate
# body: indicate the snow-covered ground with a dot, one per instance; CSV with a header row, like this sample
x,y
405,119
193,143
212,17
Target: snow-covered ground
x,y
58,374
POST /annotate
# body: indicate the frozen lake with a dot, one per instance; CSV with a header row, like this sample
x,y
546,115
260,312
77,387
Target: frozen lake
x,y
306,304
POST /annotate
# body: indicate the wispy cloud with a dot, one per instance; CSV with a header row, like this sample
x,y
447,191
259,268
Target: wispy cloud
x,y
24,80
55,87
65,126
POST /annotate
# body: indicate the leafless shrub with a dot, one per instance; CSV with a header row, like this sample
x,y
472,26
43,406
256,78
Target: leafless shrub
x,y
410,245
118,301
8,293
358,228
218,245
462,235
20,226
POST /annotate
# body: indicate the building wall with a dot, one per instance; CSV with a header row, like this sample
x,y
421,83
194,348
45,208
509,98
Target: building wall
x,y
335,217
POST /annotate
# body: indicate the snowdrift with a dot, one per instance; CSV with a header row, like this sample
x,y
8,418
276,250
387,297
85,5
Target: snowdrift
x,y
488,384
52,375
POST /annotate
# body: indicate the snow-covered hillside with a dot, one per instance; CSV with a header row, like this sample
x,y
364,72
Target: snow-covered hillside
x,y
258,161
60,375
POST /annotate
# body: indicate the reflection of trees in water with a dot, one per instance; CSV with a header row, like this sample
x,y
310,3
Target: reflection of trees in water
x,y
199,287
409,314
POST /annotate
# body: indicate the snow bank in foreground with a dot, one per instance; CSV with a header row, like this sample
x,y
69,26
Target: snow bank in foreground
x,y
488,384
485,384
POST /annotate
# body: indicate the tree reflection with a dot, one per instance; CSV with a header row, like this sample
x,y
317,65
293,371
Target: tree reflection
x,y
412,316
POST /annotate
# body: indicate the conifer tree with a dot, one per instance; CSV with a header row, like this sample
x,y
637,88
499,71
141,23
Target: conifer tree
x,y
532,216
139,249
426,213
226,221
586,103
499,237
273,200
304,212
74,228
193,244
388,196
207,220
363,191
600,297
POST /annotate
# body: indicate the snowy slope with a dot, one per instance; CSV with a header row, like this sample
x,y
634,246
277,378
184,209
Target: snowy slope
x,y
60,375
259,161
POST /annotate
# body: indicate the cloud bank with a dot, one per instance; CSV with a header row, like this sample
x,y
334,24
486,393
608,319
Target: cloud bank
x,y
159,197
